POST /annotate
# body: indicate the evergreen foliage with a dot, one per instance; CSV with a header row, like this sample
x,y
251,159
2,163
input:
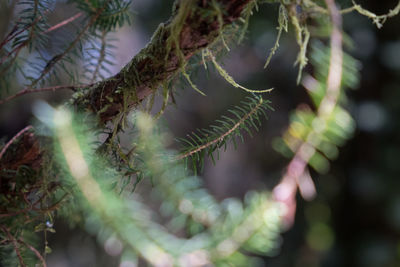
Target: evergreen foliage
x,y
215,230
65,168
206,141
324,133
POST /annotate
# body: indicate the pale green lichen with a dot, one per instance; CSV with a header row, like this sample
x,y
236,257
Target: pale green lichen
x,y
176,28
165,100
302,38
247,13
229,78
191,83
218,12
377,20
283,26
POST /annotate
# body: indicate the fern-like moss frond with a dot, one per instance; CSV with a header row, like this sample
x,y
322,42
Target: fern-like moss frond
x,y
206,141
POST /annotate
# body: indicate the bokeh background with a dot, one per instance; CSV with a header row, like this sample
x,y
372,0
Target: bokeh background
x,y
355,218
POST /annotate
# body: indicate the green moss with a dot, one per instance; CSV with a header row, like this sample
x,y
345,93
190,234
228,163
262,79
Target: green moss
x,y
229,78
283,25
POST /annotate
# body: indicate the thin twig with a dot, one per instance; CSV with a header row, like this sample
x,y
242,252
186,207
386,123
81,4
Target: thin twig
x,y
33,208
63,23
15,244
13,33
3,151
9,16
29,90
18,49
34,250
58,57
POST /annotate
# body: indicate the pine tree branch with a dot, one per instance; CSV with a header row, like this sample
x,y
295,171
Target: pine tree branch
x,y
29,90
156,64
102,56
58,57
64,22
13,34
224,135
151,67
4,149
15,244
34,250
24,150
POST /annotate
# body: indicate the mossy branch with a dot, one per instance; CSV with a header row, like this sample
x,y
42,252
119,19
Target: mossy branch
x,y
161,59
152,66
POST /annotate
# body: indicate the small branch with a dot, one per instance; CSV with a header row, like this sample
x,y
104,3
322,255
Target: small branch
x,y
8,11
63,23
102,56
29,90
221,137
3,151
15,244
13,33
58,57
34,250
33,208
18,49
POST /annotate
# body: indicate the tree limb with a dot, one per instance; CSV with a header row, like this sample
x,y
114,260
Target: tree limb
x,y
156,64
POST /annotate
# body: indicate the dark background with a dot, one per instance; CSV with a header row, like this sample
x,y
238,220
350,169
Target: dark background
x,y
355,218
